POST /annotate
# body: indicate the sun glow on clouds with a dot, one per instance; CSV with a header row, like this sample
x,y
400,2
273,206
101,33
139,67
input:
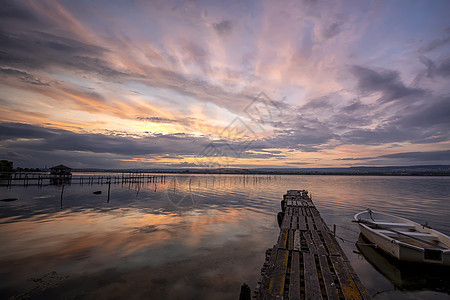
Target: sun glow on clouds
x,y
345,83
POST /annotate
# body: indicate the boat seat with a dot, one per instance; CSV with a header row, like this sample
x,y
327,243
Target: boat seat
x,y
395,225
419,235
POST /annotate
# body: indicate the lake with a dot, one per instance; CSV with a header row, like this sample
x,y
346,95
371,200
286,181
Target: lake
x,y
196,236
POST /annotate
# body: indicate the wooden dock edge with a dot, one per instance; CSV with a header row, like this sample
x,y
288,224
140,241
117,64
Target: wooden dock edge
x,y
307,262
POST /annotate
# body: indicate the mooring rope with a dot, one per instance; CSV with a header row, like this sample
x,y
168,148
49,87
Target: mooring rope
x,y
350,229
353,242
362,244
343,240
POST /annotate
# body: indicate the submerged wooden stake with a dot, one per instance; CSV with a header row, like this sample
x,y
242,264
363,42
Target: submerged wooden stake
x,y
62,191
109,190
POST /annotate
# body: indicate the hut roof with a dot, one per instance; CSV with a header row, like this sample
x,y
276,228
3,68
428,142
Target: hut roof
x,y
60,167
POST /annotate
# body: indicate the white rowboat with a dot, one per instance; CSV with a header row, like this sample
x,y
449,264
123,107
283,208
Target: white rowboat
x,y
403,239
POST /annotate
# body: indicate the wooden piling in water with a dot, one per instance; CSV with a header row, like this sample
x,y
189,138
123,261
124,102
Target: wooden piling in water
x,y
109,190
62,191
307,261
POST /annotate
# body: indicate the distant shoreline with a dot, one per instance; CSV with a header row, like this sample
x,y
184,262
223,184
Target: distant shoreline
x,y
277,173
428,170
431,170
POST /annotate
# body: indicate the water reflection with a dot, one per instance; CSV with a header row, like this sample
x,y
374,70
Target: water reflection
x,y
405,276
190,236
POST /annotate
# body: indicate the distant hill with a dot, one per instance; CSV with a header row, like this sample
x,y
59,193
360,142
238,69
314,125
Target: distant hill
x,y
427,170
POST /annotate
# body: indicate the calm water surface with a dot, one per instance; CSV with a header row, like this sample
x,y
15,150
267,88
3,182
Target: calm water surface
x,y
197,237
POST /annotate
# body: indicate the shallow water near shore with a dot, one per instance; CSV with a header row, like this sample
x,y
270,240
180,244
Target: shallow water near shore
x,y
195,237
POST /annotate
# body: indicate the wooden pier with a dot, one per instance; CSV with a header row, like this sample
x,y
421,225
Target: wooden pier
x,y
306,262
42,178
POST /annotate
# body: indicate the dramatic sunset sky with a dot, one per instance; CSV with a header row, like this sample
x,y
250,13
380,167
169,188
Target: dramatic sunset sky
x,y
169,84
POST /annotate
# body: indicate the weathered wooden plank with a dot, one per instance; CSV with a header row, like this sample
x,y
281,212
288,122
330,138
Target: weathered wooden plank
x,y
297,240
277,276
348,286
288,210
311,245
270,265
328,280
360,286
273,255
319,223
312,286
290,244
321,250
294,286
302,223
307,204
286,222
282,239
331,243
315,212
266,278
294,221
307,211
310,223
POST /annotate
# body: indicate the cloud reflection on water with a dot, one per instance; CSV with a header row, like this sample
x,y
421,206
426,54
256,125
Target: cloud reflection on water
x,y
140,243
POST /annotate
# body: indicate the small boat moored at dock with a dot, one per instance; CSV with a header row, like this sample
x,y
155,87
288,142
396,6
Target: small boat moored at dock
x,y
403,239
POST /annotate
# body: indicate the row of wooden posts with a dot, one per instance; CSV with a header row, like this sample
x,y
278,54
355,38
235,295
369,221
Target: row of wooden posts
x,y
58,180
40,179
139,179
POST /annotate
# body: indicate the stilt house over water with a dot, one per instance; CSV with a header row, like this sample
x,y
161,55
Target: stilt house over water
x,y
61,171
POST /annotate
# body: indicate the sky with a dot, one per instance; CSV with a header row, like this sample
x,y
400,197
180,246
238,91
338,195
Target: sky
x,y
238,84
